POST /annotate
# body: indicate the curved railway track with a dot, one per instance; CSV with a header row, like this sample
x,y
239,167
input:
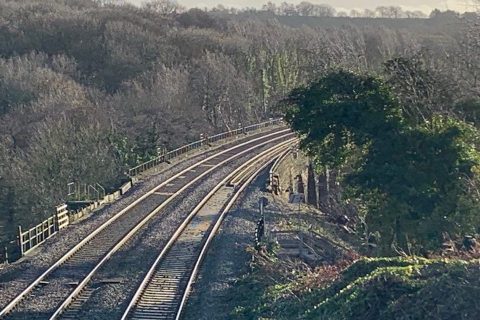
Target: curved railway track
x,y
66,278
165,289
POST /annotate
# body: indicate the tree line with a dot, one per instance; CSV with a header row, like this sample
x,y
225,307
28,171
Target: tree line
x,y
308,9
304,9
88,89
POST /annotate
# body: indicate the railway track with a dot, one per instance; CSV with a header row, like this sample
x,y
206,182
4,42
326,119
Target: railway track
x,y
164,291
49,294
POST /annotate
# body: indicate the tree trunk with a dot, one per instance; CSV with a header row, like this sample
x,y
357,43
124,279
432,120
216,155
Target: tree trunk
x,y
311,188
322,190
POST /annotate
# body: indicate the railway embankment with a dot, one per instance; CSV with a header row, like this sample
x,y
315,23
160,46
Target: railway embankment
x,y
311,265
16,277
297,237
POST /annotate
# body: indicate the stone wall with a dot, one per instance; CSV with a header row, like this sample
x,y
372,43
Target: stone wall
x,y
296,173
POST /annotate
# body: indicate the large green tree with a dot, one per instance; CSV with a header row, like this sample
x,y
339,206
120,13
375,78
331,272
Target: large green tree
x,y
412,182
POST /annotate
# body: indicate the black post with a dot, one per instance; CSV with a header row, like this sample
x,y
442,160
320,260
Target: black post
x,y
262,202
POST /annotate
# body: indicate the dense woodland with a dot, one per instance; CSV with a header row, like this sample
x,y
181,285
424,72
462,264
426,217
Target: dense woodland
x,y
88,88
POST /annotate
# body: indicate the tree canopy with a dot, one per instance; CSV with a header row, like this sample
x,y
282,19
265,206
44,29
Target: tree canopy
x,y
411,180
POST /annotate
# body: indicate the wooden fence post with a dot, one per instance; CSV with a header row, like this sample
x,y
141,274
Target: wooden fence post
x,y
20,240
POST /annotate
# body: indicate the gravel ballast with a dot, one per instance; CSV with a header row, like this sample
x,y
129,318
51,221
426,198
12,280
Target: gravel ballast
x,y
132,262
17,276
227,259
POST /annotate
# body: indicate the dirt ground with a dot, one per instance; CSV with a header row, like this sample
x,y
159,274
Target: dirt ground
x,y
229,258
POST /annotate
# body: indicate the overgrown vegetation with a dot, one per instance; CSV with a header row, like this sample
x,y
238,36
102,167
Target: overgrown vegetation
x,y
412,175
370,288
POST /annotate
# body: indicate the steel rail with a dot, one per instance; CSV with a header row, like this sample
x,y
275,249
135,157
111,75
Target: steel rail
x,y
82,243
276,164
134,230
237,172
209,240
155,267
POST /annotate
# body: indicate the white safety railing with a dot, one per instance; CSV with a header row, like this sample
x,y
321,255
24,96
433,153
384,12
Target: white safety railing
x,y
197,144
28,240
35,236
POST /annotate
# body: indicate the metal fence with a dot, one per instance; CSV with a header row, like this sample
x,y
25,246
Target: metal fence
x,y
197,144
78,191
28,240
33,237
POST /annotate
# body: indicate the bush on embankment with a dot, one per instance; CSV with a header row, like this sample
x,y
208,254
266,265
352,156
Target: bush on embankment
x,y
374,288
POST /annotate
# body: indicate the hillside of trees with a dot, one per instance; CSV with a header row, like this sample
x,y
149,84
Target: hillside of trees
x,y
89,89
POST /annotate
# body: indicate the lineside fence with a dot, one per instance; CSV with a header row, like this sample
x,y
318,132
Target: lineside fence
x,y
198,144
27,240
30,239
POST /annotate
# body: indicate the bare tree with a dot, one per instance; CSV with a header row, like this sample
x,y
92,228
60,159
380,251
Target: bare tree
x,y
305,8
164,7
110,2
355,13
396,12
324,10
382,12
270,7
415,14
389,12
422,90
220,8
367,13
448,14
287,9
223,93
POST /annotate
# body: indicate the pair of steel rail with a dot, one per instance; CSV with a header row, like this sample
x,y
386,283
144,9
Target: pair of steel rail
x,y
165,289
92,253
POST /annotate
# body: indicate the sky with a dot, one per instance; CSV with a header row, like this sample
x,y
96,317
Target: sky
x,y
423,5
